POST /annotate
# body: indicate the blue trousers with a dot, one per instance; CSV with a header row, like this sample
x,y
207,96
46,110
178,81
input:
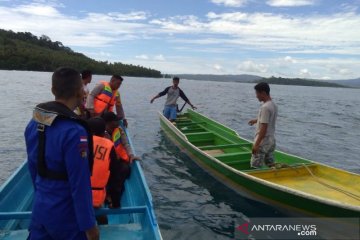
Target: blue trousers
x,y
39,232
170,112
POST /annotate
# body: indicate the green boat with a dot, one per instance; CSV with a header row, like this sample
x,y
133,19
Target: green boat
x,y
296,185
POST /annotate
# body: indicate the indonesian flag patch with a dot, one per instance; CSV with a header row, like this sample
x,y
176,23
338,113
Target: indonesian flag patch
x,y
83,146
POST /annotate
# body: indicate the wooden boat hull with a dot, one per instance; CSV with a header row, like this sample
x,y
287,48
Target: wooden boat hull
x,y
233,169
135,220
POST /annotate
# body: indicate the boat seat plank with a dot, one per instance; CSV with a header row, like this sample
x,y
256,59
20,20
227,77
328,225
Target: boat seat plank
x,y
237,154
197,133
107,232
201,141
224,146
214,152
232,163
190,128
189,124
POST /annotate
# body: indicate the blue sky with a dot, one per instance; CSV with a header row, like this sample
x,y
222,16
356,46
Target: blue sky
x,y
290,38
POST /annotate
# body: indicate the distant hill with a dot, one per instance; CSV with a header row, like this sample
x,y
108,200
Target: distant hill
x,y
299,82
224,78
24,51
245,78
349,83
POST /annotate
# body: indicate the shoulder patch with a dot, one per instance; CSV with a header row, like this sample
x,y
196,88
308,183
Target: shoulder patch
x,y
43,117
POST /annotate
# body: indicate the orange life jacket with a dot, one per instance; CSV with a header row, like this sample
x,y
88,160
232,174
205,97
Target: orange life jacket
x,y
101,169
119,148
106,99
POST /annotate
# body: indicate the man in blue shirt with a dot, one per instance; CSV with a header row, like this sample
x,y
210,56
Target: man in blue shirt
x,y
59,148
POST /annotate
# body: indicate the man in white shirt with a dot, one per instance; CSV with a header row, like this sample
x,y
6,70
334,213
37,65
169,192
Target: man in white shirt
x,y
86,77
264,143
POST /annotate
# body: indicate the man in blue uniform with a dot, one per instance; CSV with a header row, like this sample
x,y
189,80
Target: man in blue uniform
x,y
59,148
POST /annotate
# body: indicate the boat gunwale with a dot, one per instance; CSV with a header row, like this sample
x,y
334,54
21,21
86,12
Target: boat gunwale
x,y
5,184
262,181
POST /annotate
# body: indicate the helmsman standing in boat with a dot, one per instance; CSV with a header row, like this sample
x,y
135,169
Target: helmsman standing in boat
x,y
173,93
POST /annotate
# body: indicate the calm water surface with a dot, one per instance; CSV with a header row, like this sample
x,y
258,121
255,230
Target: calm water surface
x,y
321,124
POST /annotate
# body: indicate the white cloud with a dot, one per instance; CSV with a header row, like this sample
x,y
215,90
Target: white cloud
x,y
230,3
132,16
289,59
250,66
175,65
290,3
105,54
309,34
116,16
142,56
344,71
216,33
218,67
159,57
305,73
38,10
91,30
179,24
340,71
272,32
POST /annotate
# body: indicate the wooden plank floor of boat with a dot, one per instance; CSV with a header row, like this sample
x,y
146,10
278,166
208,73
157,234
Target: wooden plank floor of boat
x,y
327,182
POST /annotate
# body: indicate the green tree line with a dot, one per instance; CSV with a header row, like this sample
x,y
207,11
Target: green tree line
x,y
298,81
25,51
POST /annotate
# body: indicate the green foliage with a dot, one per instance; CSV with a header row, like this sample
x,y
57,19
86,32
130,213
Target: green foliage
x,y
24,51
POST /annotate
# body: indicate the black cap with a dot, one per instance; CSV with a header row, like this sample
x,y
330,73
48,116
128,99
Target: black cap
x,y
97,126
109,117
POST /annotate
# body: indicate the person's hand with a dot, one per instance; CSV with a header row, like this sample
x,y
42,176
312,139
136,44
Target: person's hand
x,y
133,158
252,122
109,202
152,100
255,149
193,107
93,233
92,113
125,122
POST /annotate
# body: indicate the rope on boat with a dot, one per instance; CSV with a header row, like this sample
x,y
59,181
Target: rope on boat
x,y
350,194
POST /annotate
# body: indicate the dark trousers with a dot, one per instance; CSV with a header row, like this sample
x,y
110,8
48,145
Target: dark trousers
x,y
116,188
117,185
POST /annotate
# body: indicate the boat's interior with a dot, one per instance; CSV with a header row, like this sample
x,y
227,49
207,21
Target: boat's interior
x,y
223,143
132,221
294,172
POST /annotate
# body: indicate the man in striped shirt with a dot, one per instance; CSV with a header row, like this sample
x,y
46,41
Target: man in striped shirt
x,y
173,93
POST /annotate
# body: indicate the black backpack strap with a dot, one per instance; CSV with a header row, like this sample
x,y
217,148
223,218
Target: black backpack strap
x,y
42,169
